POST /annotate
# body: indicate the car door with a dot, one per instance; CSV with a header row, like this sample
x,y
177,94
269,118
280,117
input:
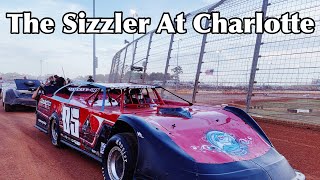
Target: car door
x,y
91,123
71,122
95,119
71,116
43,113
79,125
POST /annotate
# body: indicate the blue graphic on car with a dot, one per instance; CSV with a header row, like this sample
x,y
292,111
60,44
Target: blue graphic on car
x,y
224,142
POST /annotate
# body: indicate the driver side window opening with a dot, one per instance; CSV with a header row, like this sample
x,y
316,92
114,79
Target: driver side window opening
x,y
113,97
132,96
87,95
95,97
143,97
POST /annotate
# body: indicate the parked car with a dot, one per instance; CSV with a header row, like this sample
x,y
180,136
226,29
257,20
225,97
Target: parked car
x,y
19,94
1,84
135,133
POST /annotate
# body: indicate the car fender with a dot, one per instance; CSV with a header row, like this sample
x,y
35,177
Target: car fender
x,y
9,96
250,121
154,147
159,157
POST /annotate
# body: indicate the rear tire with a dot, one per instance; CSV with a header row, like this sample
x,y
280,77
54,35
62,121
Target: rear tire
x,y
120,157
54,133
7,107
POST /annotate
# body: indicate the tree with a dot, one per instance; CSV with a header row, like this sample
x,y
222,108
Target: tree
x,y
156,76
176,73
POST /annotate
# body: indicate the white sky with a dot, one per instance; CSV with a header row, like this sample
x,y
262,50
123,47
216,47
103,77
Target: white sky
x,y
22,53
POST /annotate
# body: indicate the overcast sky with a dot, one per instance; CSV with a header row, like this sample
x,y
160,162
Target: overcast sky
x,y
22,53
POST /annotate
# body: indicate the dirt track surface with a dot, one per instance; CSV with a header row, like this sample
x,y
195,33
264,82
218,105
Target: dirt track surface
x,y
27,153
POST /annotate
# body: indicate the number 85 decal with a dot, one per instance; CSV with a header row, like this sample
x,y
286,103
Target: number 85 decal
x,y
70,119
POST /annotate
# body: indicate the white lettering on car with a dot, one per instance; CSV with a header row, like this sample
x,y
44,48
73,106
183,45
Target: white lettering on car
x,y
123,150
70,119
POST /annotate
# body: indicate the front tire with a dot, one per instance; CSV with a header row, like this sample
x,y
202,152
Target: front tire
x,y
54,133
120,157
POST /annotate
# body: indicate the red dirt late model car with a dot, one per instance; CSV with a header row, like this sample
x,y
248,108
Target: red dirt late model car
x,y
136,134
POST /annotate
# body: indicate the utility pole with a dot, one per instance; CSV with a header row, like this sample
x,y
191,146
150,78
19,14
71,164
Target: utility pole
x,y
177,75
94,59
41,61
218,53
134,44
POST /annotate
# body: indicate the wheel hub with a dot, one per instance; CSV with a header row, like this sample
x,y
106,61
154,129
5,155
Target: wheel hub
x,y
54,132
115,164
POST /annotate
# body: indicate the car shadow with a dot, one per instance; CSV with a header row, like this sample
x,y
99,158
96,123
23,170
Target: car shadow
x,y
22,109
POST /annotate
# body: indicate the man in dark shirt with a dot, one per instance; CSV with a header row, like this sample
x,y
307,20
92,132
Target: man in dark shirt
x,y
59,81
68,81
44,90
50,81
50,88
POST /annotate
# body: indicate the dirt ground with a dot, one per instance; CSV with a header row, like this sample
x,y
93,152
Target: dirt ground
x,y
300,146
26,153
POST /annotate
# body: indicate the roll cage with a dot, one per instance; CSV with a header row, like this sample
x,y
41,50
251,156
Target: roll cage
x,y
126,95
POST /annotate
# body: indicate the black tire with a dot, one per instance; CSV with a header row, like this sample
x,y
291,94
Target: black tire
x,y
7,107
54,133
121,150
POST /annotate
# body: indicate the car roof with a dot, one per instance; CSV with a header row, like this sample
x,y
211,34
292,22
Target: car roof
x,y
125,85
118,85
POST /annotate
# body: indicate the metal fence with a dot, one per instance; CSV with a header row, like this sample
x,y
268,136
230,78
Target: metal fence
x,y
273,76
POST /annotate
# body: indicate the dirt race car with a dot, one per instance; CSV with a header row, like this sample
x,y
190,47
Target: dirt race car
x,y
136,134
19,94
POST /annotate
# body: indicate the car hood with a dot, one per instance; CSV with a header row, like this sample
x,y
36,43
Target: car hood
x,y
212,135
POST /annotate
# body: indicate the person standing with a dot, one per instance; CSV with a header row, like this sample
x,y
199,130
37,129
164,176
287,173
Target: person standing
x,y
90,79
50,81
69,81
59,81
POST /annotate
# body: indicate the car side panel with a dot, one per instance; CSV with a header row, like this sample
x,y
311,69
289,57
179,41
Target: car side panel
x,y
83,128
9,96
43,113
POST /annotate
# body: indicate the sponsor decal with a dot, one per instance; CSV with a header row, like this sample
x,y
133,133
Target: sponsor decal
x,y
86,127
140,135
225,143
77,89
96,152
46,104
42,122
102,147
71,140
123,150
